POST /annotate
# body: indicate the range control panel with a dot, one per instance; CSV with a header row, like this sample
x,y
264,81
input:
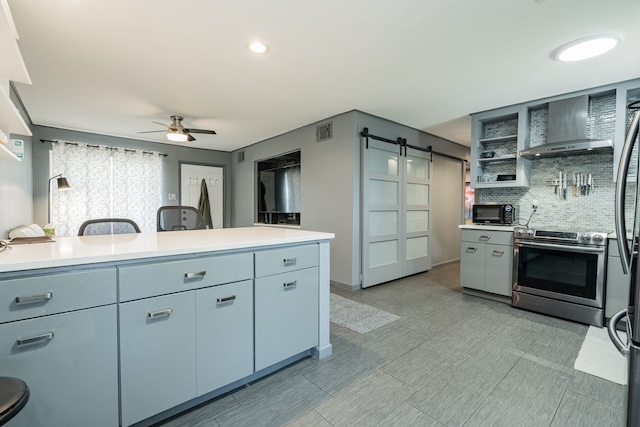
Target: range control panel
x,y
571,237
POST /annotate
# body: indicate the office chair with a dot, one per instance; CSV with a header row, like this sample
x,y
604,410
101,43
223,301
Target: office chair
x,y
108,226
172,218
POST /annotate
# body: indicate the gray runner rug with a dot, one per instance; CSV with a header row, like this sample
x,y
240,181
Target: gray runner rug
x,y
360,318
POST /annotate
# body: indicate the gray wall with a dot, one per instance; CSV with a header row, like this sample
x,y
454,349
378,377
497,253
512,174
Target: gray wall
x,y
16,191
171,168
16,185
329,174
330,181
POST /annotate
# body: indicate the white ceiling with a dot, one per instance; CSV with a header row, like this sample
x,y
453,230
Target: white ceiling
x,y
112,67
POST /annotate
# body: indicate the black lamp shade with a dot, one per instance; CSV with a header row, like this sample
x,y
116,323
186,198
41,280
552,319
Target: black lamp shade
x,y
63,184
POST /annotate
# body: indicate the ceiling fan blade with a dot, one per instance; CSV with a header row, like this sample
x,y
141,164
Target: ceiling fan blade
x,y
152,131
158,123
210,132
190,138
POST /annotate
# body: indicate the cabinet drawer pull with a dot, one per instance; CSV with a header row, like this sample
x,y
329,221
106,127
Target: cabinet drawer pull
x,y
471,249
497,252
35,339
196,275
290,284
227,299
32,299
484,237
290,261
160,313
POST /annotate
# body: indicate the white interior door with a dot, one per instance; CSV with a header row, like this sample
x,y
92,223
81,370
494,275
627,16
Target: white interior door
x,y
382,218
191,177
417,196
395,212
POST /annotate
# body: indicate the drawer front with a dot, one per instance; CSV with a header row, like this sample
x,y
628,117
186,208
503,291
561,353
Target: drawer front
x,y
157,355
286,311
70,367
224,334
34,296
276,261
482,236
147,280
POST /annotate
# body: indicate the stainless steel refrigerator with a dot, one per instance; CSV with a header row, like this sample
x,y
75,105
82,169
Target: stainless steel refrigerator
x,y
627,245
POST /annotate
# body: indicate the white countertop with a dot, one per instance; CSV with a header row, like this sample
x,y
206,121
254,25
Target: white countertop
x,y
68,251
491,227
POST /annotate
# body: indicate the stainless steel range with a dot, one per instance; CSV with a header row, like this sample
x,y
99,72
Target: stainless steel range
x,y
560,273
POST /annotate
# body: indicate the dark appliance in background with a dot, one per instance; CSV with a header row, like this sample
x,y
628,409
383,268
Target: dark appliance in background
x,y
631,347
493,214
560,273
279,195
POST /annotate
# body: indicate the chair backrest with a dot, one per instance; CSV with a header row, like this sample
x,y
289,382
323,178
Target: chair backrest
x,y
172,218
108,226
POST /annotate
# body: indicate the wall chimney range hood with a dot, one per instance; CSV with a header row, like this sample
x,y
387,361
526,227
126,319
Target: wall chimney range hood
x,y
567,132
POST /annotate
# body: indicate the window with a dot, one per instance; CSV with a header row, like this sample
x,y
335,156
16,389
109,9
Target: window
x,y
106,182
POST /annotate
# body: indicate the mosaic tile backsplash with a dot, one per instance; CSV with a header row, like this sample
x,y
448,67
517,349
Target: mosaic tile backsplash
x,y
593,212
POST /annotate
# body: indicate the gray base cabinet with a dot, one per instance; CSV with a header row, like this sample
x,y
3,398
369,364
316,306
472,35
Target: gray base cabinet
x,y
224,335
486,261
157,355
286,315
119,345
64,349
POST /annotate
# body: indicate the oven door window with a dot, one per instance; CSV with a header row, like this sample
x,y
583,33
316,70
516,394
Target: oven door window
x,y
568,273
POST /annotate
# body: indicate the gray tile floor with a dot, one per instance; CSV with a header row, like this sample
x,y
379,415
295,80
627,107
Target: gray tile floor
x,y
451,360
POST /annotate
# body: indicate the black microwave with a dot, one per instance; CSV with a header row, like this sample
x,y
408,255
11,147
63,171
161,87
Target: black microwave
x,y
493,214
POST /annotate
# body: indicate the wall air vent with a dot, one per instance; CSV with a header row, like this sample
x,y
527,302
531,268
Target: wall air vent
x,y
240,156
324,132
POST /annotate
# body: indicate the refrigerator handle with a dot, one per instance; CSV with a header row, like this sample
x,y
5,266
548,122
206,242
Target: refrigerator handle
x,y
621,184
622,347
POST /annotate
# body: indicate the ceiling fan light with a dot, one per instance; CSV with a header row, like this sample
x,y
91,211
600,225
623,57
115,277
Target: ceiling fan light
x,y
176,136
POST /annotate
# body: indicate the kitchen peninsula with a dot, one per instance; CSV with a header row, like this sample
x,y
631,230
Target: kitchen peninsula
x,y
130,329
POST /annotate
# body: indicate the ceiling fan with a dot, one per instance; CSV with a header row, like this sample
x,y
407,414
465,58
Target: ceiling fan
x,y
178,133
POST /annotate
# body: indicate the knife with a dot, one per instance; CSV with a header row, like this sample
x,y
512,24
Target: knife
x,y
560,185
589,183
564,188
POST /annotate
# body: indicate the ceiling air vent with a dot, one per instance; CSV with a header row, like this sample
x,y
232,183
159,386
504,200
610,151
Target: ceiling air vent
x,y
324,132
240,156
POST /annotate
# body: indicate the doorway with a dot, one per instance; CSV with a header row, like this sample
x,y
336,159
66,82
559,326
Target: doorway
x,y
191,176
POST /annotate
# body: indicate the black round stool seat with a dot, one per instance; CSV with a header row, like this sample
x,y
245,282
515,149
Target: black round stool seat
x,y
14,394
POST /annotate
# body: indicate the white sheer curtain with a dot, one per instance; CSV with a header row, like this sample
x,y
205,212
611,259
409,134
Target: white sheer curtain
x,y
105,183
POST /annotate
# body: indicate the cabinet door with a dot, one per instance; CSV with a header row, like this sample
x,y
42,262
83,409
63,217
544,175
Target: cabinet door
x,y
157,355
498,269
286,310
71,367
472,265
224,334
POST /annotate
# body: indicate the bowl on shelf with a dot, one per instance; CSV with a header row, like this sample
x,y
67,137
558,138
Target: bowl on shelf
x,y
506,178
487,154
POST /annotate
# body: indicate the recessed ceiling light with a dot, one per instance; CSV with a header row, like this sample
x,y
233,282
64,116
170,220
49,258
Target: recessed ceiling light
x,y
585,48
258,47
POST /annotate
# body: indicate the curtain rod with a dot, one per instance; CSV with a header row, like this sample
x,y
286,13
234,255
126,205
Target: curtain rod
x,y
126,150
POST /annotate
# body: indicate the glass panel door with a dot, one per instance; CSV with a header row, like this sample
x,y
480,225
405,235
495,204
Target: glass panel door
x,y
382,218
415,236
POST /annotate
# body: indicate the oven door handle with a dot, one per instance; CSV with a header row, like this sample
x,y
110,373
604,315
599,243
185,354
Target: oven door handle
x,y
621,185
583,249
